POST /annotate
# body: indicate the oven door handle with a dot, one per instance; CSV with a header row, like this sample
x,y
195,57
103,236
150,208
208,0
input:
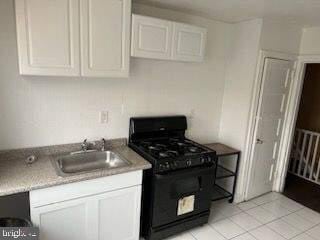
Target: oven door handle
x,y
185,182
189,172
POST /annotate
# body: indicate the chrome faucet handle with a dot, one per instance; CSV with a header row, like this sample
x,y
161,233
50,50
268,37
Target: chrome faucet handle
x,y
84,145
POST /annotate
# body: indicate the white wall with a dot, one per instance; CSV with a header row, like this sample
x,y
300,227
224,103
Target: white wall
x,y
280,36
239,82
240,75
37,111
249,38
310,43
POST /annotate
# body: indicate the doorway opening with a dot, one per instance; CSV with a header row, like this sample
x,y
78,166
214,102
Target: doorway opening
x,y
303,177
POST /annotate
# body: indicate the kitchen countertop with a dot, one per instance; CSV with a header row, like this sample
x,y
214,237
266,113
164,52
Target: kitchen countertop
x,y
17,176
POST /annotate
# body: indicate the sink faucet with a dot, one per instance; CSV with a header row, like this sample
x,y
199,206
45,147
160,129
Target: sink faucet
x,y
103,148
85,145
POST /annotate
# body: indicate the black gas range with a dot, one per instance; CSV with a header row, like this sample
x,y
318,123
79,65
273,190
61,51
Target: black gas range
x,y
177,190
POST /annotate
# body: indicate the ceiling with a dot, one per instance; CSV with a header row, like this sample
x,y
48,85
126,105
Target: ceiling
x,y
302,12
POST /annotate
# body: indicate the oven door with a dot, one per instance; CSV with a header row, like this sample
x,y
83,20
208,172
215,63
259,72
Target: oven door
x,y
181,194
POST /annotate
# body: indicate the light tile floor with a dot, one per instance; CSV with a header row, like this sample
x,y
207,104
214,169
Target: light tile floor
x,y
269,217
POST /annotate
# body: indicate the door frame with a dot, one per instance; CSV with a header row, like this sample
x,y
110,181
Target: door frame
x,y
292,115
254,108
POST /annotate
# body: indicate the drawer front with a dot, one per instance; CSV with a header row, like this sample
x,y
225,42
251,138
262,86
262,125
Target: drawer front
x,y
75,190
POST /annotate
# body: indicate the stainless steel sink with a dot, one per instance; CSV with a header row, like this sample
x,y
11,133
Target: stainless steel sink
x,y
83,162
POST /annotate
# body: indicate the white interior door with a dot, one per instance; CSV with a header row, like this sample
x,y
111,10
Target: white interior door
x,y
268,130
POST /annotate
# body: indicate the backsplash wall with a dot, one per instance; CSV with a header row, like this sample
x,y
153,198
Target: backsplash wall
x,y
39,111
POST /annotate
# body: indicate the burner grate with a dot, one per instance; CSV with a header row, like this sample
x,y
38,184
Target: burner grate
x,y
170,148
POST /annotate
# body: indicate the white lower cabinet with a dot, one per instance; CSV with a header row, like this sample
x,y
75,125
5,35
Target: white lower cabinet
x,y
119,214
65,220
112,215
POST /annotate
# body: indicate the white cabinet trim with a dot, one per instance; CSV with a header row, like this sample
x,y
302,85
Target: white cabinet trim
x,y
166,28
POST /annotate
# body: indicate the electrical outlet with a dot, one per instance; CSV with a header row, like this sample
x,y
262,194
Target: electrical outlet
x,y
104,117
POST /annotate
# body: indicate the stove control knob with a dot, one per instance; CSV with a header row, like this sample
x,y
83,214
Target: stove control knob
x,y
209,160
188,163
202,160
167,165
161,167
173,165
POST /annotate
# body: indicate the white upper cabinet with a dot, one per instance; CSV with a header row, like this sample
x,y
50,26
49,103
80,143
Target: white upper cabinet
x,y
151,37
49,34
105,38
189,43
48,37
161,39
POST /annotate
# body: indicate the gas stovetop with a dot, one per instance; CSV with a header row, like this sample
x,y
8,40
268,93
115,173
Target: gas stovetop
x,y
170,154
170,148
162,141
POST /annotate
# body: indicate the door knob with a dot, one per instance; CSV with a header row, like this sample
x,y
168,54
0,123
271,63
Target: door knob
x,y
259,141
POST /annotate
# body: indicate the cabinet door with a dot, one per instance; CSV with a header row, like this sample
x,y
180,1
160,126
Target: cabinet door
x,y
112,215
119,214
48,37
151,37
105,38
189,43
65,220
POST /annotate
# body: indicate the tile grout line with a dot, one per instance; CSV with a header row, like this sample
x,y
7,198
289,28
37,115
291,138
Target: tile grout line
x,y
278,218
308,230
263,224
